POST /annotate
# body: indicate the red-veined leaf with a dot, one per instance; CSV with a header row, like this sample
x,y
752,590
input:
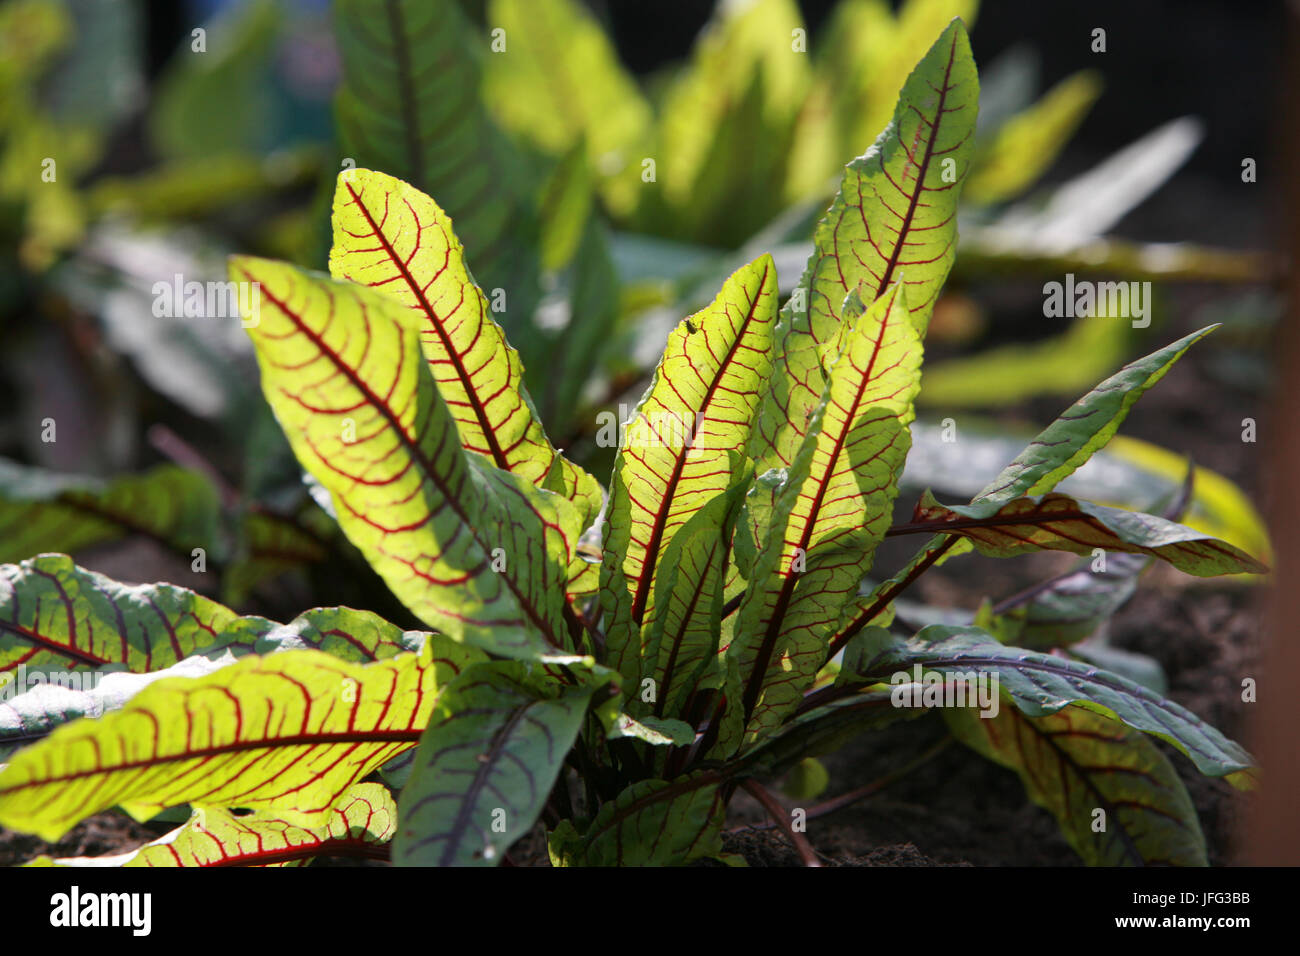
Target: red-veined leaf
x,y
477,552
823,522
683,446
1058,522
288,733
485,767
1087,769
394,238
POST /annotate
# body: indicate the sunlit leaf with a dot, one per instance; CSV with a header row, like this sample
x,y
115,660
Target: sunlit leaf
x,y
817,531
683,446
732,107
559,82
1026,144
895,218
390,236
363,820
477,552
287,733
683,640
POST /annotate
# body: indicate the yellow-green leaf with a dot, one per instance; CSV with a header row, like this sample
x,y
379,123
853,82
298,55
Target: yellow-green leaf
x,y
288,733
895,217
558,81
1027,143
479,553
394,238
364,819
683,446
817,529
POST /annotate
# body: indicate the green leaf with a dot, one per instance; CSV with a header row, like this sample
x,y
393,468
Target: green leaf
x,y
1076,435
1025,145
655,823
807,780
1076,762
1042,684
732,108
392,237
656,731
584,344
1058,522
409,104
486,765
288,733
363,820
55,616
1074,605
894,218
210,102
682,645
565,206
1126,473
820,528
43,511
558,82
872,54
683,447
477,552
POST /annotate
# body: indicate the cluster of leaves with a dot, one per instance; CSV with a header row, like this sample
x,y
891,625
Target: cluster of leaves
x,y
723,630
587,305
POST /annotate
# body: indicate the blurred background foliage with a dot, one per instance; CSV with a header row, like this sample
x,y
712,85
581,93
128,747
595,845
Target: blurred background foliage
x,y
605,167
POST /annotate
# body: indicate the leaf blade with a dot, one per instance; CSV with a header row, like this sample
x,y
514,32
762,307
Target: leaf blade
x,y
477,552
390,236
510,745
1058,522
275,733
1073,763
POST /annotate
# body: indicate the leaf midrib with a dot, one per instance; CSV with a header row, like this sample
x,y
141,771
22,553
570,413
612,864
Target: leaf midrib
x,y
274,743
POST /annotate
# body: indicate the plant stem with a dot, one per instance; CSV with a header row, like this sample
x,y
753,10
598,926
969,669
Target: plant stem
x,y
774,810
